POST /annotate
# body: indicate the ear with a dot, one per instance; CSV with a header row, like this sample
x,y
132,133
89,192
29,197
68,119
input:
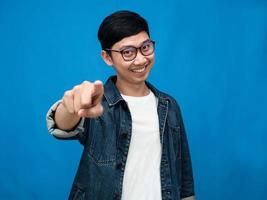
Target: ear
x,y
106,57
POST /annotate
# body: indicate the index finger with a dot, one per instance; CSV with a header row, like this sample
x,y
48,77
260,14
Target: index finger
x,y
91,94
97,92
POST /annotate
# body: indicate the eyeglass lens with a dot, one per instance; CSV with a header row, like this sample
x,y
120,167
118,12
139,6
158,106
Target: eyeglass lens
x,y
130,53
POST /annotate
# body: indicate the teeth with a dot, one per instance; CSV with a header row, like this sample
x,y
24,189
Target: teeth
x,y
139,70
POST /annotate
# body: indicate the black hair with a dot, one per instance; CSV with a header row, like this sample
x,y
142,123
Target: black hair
x,y
119,25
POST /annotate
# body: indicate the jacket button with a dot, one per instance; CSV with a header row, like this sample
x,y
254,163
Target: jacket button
x,y
119,166
116,196
124,136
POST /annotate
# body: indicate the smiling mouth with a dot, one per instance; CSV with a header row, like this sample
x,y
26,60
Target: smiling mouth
x,y
139,70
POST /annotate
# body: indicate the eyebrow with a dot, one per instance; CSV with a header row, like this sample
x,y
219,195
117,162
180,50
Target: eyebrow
x,y
129,46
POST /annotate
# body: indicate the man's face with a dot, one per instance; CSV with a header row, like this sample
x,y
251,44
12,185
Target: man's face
x,y
137,70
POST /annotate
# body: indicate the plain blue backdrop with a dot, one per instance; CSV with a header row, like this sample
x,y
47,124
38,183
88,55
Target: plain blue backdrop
x,y
210,55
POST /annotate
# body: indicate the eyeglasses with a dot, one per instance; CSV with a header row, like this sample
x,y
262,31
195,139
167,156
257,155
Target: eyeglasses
x,y
129,53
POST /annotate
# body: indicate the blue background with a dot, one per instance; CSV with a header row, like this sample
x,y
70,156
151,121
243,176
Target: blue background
x,y
210,55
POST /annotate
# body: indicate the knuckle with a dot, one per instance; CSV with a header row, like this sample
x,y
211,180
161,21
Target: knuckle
x,y
68,93
86,83
76,88
87,86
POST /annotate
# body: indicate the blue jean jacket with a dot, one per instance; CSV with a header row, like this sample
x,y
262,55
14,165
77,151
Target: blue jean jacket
x,y
106,141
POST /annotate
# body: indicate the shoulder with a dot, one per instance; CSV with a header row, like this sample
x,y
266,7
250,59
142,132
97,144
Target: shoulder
x,y
171,100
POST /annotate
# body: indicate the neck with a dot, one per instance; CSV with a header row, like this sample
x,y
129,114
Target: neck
x,y
135,90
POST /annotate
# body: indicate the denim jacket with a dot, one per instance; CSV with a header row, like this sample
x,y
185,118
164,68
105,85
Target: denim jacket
x,y
106,141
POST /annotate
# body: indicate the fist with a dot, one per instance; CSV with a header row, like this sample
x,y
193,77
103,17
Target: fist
x,y
84,100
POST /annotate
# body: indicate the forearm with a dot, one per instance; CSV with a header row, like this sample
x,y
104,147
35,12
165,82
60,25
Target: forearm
x,y
65,120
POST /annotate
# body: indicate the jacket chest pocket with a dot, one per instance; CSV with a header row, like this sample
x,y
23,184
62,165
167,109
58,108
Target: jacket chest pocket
x,y
175,132
103,142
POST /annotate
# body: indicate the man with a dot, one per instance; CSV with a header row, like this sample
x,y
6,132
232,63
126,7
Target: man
x,y
135,145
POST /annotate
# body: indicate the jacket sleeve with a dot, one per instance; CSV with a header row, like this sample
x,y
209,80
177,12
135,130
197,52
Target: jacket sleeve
x,y
76,133
187,182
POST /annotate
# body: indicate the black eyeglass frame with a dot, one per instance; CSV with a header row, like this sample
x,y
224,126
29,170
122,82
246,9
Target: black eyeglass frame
x,y
136,48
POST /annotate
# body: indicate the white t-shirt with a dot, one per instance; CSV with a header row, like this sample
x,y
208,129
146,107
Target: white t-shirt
x,y
142,172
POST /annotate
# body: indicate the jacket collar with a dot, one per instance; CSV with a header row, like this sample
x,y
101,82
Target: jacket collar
x,y
113,96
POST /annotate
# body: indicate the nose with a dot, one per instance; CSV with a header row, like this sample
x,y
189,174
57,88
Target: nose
x,y
140,59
